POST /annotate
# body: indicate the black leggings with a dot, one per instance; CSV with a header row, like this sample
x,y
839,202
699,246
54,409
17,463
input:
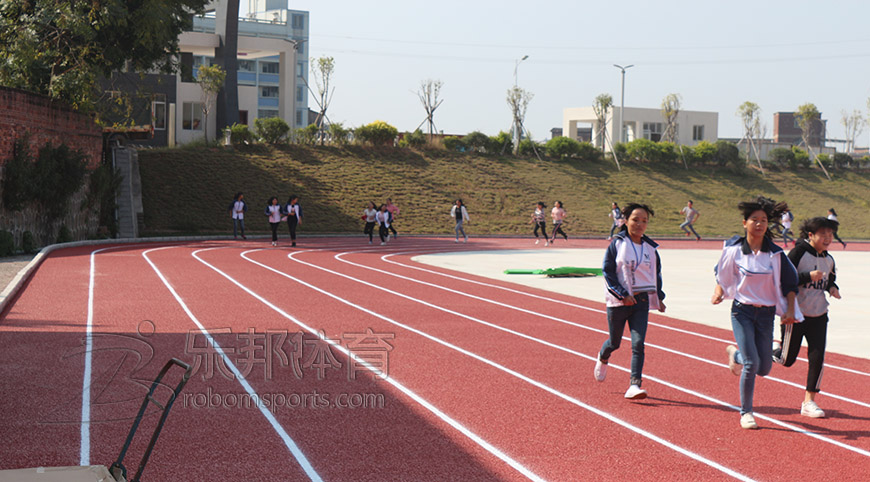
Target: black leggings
x,y
383,232
292,222
369,229
815,330
393,229
542,225
838,239
557,229
274,227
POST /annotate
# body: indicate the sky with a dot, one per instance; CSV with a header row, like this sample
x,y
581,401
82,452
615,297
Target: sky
x,y
715,55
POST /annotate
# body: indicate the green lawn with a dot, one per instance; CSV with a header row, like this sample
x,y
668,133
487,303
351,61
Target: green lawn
x,y
187,191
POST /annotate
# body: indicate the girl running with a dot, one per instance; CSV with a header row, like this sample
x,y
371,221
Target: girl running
x,y
459,214
273,211
558,214
618,219
633,278
383,219
832,215
370,217
755,272
539,218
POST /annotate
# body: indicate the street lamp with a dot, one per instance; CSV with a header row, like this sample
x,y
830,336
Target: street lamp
x,y
622,103
516,66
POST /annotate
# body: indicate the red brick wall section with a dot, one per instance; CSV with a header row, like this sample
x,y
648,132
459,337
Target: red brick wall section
x,y
46,121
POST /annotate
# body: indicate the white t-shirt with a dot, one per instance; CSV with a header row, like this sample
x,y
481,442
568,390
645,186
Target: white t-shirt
x,y
786,220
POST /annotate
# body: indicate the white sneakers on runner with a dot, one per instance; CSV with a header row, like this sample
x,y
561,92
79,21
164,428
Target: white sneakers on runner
x,y
747,421
810,409
735,367
635,393
600,370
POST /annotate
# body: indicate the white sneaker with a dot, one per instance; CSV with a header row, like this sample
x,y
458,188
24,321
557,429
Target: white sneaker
x,y
537,241
810,409
383,243
388,238
735,367
546,243
466,239
747,421
635,393
457,240
600,370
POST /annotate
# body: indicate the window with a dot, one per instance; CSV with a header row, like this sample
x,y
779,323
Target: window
x,y
247,66
243,117
300,69
191,116
652,131
269,67
158,112
300,93
697,133
297,21
298,117
268,91
266,113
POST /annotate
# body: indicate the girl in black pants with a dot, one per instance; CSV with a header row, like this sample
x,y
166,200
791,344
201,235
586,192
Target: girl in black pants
x,y
294,216
539,218
273,210
369,216
383,219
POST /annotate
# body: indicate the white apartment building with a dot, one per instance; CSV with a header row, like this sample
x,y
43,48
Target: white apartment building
x,y
272,68
640,123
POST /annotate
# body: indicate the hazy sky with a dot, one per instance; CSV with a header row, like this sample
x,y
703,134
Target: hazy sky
x,y
716,55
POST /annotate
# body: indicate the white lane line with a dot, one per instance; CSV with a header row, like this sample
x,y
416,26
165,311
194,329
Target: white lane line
x,y
503,368
452,290
573,305
576,353
288,441
392,381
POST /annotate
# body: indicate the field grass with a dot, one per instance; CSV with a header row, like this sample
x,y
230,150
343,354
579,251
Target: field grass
x,y
188,190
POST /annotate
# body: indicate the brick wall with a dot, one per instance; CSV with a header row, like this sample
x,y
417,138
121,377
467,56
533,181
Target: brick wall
x,y
53,122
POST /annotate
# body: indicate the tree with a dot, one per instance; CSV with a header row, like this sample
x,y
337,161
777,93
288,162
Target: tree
x,y
428,94
670,111
61,47
853,123
601,106
322,71
518,99
211,80
226,56
806,117
750,114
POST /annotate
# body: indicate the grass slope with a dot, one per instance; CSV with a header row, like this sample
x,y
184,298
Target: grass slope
x,y
188,191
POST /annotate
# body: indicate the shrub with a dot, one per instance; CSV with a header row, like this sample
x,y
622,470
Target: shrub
x,y
7,243
453,143
642,150
704,152
28,243
57,174
825,160
563,147
666,152
476,141
307,135
842,160
782,156
240,135
727,154
415,139
528,147
588,152
339,134
801,158
378,133
17,176
64,235
271,129
503,142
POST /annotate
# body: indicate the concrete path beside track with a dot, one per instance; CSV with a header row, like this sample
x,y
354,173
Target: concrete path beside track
x,y
688,284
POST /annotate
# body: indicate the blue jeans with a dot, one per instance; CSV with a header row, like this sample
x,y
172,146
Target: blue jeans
x,y
637,317
753,331
458,229
690,226
238,223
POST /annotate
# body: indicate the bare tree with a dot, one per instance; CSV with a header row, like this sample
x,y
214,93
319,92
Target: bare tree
x,y
806,117
518,99
428,94
322,71
670,111
601,106
753,130
854,124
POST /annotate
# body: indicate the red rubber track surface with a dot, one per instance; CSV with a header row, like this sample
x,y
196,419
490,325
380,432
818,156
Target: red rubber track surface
x,y
488,380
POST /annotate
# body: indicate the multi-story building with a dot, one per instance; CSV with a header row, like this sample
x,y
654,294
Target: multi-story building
x,y
786,130
639,123
272,74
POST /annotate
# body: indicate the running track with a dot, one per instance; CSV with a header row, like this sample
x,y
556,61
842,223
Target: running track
x,y
486,380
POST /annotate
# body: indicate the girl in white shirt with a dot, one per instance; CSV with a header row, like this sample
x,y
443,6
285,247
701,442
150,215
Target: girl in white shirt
x,y
369,216
459,214
383,220
759,277
273,211
558,214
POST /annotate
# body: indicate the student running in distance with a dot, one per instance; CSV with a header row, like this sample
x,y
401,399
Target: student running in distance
x,y
832,215
394,211
294,216
239,207
274,212
633,278
558,214
459,214
692,215
787,218
618,219
383,220
539,219
369,215
816,275
755,272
